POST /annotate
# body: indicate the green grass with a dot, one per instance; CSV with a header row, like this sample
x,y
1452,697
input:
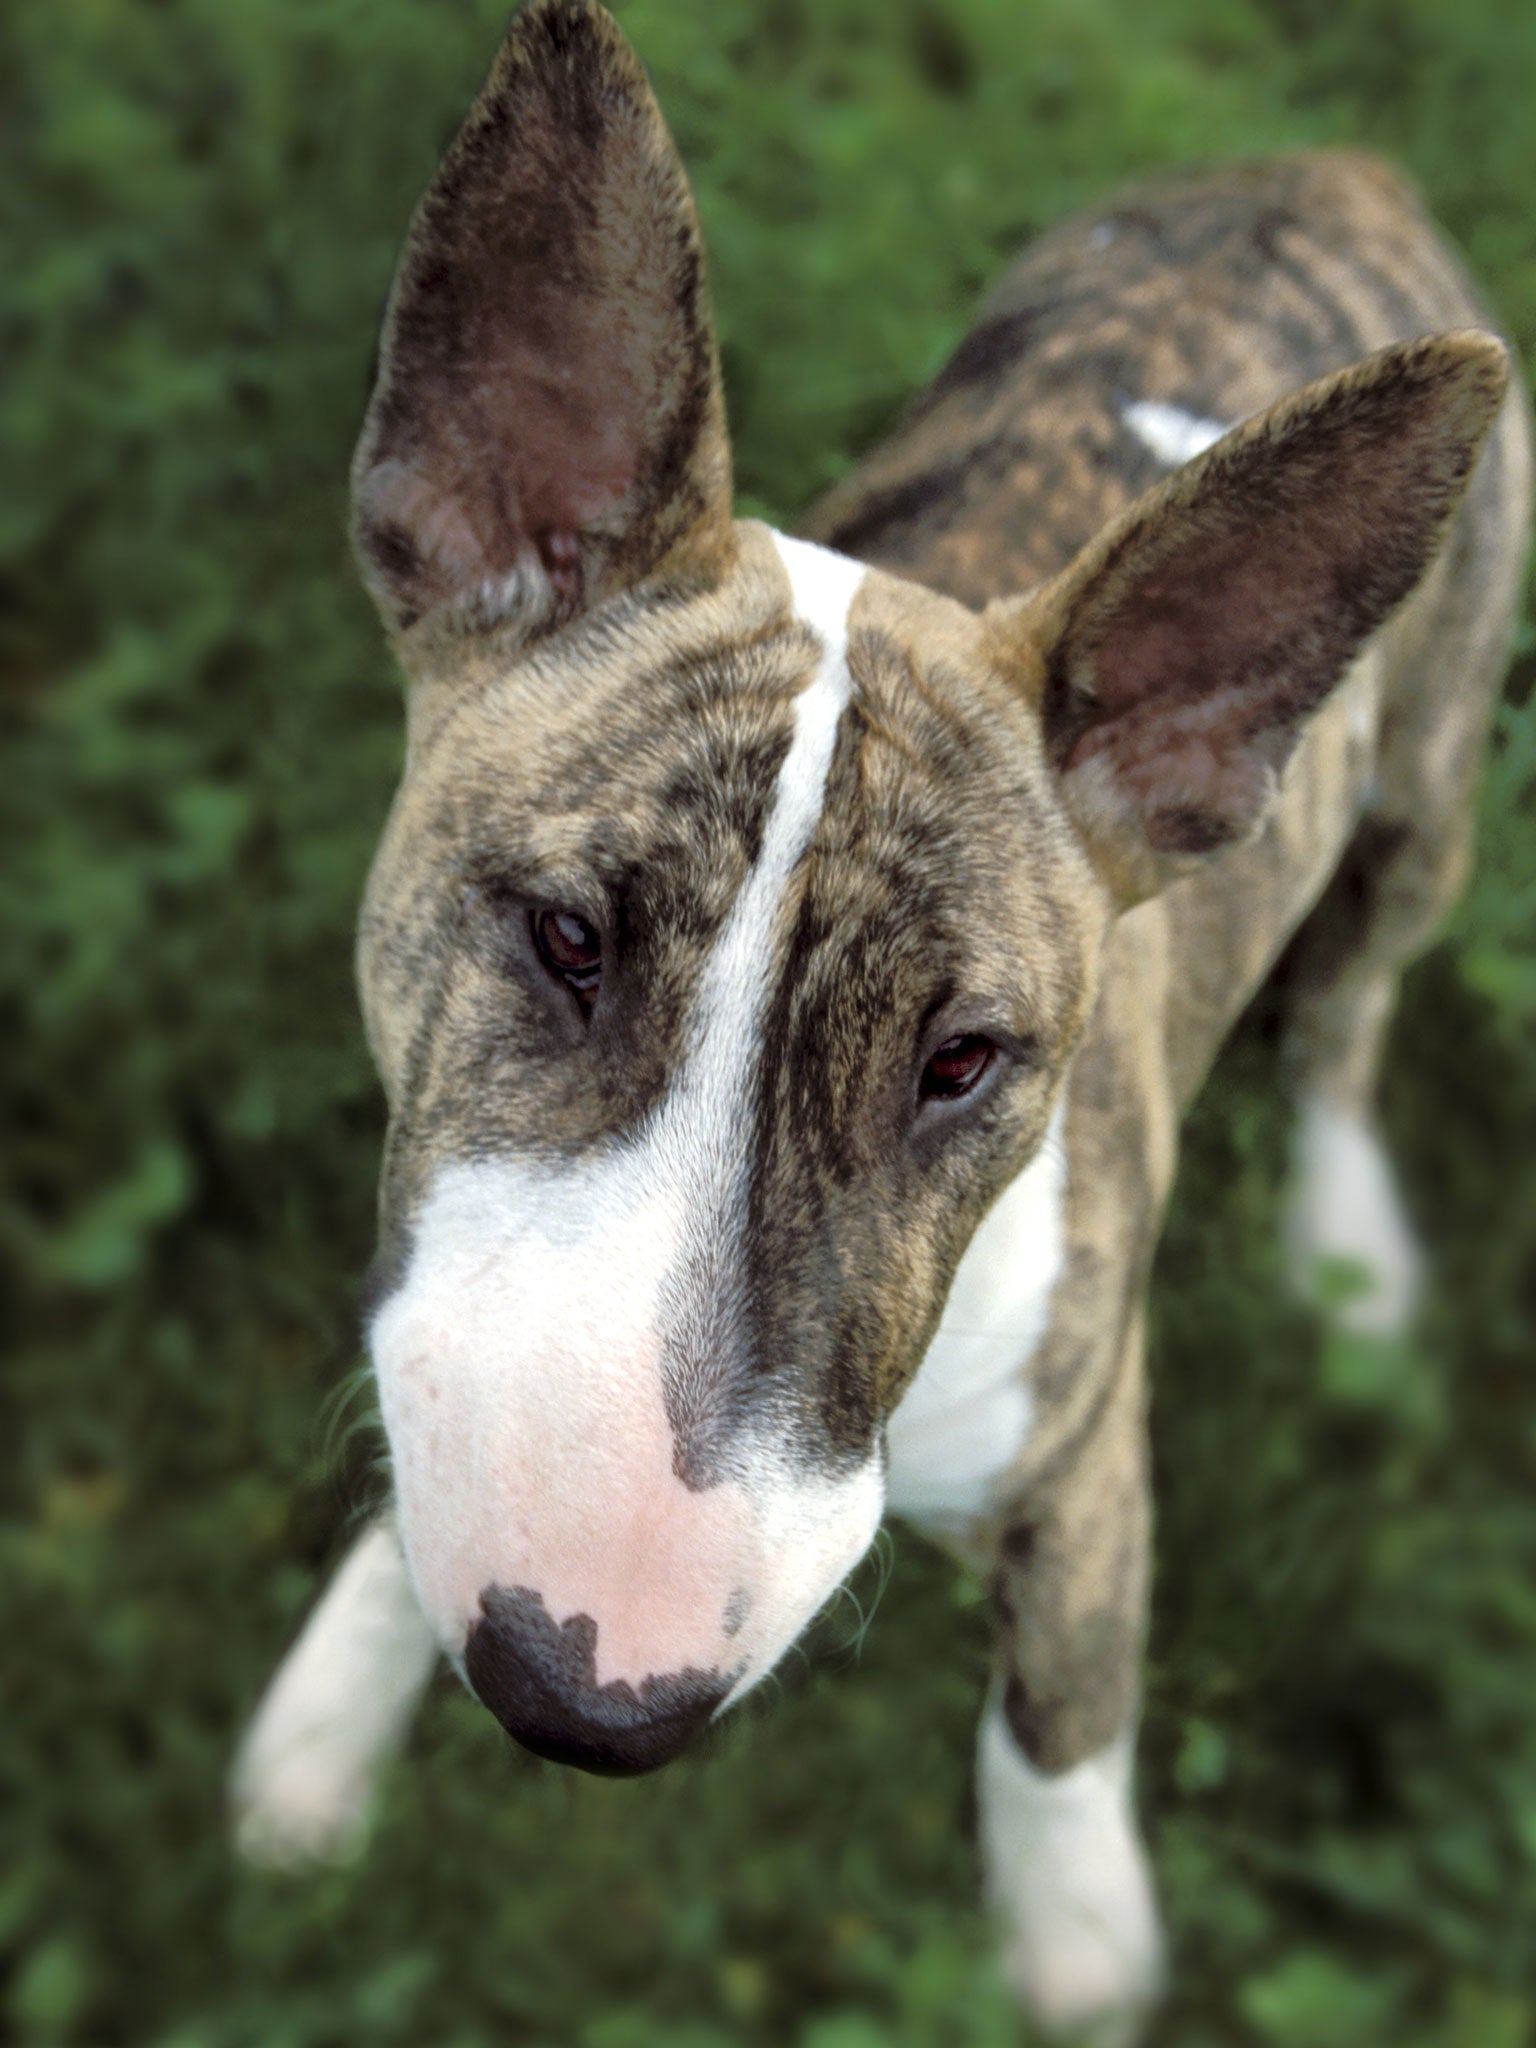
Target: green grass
x,y
201,204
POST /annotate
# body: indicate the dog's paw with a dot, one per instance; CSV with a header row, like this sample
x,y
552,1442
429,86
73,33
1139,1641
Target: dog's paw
x,y
1348,1245
1067,1878
306,1804
338,1709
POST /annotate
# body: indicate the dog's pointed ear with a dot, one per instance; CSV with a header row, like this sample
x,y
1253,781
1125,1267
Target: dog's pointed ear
x,y
1175,660
547,425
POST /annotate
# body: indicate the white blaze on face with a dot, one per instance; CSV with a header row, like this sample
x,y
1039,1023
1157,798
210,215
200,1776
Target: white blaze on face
x,y
550,1310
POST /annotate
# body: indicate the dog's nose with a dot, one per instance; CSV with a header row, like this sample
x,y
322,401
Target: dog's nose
x,y
539,1680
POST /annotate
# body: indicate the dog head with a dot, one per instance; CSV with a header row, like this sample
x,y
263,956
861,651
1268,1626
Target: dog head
x,y
740,908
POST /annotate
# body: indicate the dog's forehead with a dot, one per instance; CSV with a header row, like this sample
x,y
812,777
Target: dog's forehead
x,y
643,748
640,735
802,804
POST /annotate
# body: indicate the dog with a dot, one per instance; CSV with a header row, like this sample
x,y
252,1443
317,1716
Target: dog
x,y
787,959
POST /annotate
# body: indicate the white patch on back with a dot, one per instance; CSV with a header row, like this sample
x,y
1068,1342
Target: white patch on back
x,y
555,1316
1168,431
1067,1877
963,1421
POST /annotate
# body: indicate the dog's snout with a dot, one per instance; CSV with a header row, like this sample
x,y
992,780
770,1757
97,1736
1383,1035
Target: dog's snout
x,y
539,1679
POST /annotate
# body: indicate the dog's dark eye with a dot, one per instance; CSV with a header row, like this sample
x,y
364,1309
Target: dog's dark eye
x,y
571,950
956,1066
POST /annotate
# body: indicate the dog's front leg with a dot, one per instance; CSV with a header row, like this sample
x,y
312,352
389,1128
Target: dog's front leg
x,y
336,1711
1064,1865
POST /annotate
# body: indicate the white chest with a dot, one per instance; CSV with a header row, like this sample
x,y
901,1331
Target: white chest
x,y
964,1419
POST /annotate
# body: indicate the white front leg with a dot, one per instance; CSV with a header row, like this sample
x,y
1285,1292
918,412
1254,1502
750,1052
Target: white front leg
x,y
1068,1880
336,1711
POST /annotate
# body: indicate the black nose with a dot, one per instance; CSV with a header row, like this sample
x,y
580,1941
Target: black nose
x,y
540,1681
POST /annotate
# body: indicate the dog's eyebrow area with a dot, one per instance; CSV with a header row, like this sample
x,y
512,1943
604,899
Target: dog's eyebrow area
x,y
613,1514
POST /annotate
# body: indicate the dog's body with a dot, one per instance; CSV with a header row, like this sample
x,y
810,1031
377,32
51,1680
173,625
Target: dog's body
x,y
1120,345
787,980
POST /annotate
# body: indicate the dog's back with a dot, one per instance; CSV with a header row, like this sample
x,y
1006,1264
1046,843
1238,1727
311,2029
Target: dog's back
x,y
1123,341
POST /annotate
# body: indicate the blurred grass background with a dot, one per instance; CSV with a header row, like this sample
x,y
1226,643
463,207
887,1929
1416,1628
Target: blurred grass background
x,y
200,207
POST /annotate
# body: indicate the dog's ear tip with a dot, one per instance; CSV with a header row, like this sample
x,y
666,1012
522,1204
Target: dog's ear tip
x,y
1477,347
1456,385
1485,369
570,29
1468,368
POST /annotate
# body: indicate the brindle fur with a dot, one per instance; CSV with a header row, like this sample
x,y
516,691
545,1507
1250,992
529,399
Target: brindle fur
x,y
1216,292
603,675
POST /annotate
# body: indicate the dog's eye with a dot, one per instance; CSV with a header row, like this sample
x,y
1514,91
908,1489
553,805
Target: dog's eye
x,y
956,1066
571,950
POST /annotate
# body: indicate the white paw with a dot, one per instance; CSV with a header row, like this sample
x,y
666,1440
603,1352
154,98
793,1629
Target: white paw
x,y
1068,1879
333,1716
1344,1219
309,1805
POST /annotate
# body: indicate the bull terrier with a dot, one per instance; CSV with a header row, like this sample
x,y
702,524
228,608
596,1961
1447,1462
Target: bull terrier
x,y
788,959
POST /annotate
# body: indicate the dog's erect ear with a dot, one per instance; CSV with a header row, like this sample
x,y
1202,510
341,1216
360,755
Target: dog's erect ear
x,y
547,422
1176,658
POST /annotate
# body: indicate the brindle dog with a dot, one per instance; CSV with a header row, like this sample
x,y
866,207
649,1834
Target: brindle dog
x,y
787,964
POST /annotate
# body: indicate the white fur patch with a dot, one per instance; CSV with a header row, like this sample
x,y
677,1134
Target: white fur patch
x,y
1067,1876
824,585
558,1318
714,1084
1168,431
963,1421
336,1711
1344,1211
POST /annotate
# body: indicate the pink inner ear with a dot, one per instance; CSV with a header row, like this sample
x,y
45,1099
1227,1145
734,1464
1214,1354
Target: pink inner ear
x,y
561,556
570,424
509,473
1196,664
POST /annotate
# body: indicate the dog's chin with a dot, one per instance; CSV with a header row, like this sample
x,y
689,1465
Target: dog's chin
x,y
636,1757
600,1760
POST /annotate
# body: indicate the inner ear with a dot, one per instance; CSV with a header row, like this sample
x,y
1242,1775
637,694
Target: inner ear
x,y
547,421
1192,684
1183,650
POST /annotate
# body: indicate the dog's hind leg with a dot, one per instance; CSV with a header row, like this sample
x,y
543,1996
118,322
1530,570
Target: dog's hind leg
x,y
336,1711
1401,872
